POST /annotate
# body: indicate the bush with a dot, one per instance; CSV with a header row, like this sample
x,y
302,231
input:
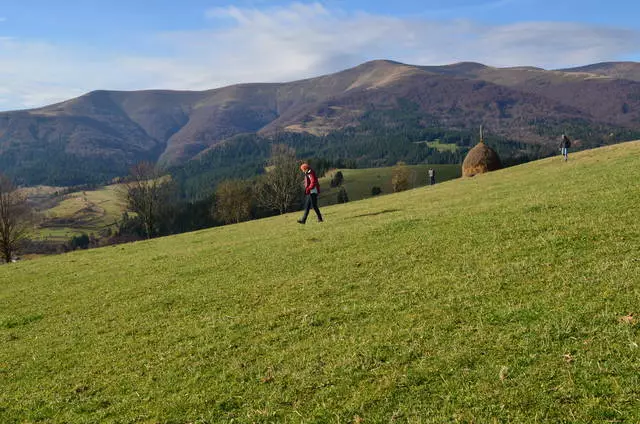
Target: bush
x,y
233,201
337,179
80,242
342,196
400,177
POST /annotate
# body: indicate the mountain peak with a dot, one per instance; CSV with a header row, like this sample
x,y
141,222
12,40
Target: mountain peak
x,y
380,73
466,65
115,129
465,69
381,62
619,70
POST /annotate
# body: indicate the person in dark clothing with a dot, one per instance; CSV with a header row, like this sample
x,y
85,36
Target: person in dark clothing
x,y
564,147
311,190
432,176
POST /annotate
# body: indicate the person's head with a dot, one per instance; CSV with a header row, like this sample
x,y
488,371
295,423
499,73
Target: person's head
x,y
304,167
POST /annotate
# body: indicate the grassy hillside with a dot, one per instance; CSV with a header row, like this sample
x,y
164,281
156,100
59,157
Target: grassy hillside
x,y
68,215
503,298
359,182
622,70
92,211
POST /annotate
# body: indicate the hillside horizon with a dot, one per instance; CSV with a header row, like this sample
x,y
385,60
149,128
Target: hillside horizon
x,y
597,68
101,133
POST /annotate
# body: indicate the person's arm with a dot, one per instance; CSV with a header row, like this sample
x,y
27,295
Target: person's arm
x,y
313,182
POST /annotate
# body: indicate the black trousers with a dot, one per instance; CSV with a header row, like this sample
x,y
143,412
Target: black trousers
x,y
311,202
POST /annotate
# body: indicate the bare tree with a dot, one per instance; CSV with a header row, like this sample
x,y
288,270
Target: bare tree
x,y
147,193
400,177
233,201
14,214
280,187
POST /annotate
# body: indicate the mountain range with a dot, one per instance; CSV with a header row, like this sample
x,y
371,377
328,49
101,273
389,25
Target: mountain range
x,y
99,134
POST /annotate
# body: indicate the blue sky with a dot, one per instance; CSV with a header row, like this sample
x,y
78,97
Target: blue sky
x,y
51,51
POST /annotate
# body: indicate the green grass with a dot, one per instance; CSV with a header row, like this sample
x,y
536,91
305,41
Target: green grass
x,y
359,182
492,299
443,147
81,212
440,146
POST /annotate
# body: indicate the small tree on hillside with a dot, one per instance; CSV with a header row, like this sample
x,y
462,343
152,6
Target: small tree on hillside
x,y
279,189
400,177
148,194
337,179
80,242
342,196
14,214
233,201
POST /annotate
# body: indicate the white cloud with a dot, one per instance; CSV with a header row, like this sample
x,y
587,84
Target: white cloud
x,y
286,43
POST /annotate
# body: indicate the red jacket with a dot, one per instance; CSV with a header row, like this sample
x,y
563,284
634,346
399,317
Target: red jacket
x,y
311,182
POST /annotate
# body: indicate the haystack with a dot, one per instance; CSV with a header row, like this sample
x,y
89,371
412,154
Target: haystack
x,y
479,160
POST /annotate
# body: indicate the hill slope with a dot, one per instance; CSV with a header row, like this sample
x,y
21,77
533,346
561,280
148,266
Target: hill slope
x,y
64,215
621,70
359,182
97,135
503,297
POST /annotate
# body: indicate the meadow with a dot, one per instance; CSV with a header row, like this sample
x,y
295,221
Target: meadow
x,y
359,182
508,297
67,215
64,216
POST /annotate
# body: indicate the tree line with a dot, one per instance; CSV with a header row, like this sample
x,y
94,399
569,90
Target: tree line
x,y
382,137
157,209
14,219
155,205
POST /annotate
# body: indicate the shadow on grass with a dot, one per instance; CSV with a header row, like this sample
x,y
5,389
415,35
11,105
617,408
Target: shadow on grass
x,y
376,213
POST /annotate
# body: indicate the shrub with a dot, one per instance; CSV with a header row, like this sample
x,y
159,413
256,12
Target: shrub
x,y
337,179
400,177
342,196
80,242
233,201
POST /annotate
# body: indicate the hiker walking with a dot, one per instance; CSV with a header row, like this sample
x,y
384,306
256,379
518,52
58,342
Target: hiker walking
x,y
564,147
311,190
432,176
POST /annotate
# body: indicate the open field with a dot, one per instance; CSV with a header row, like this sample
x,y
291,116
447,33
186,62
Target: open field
x,y
509,297
65,216
443,147
358,182
92,211
440,146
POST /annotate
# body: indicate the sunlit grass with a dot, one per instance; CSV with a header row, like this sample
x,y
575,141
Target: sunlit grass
x,y
359,182
507,297
443,147
80,212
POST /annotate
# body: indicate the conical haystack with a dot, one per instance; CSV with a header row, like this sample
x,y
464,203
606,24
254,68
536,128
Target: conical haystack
x,y
479,160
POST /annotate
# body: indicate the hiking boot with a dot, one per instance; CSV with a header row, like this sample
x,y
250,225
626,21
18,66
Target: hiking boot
x,y
300,221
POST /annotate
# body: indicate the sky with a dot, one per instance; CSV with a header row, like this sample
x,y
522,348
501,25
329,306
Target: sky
x,y
51,51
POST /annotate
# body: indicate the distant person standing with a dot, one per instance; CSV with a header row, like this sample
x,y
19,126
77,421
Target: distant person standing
x,y
311,190
432,176
564,147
